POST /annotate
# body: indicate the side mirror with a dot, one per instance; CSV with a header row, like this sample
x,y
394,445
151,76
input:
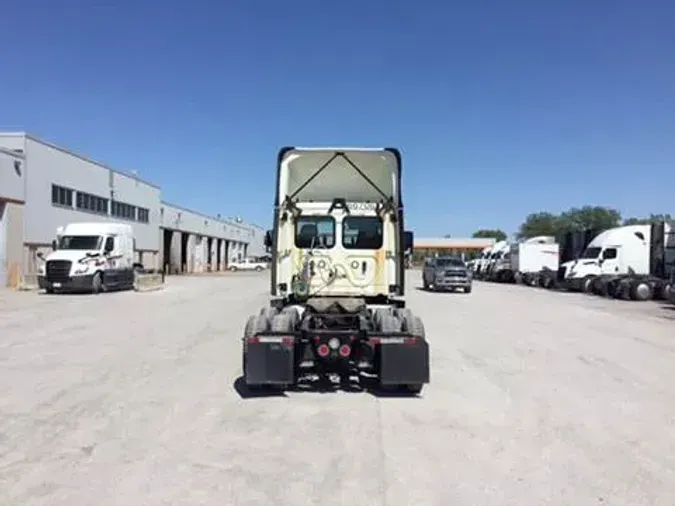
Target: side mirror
x,y
408,241
54,244
268,239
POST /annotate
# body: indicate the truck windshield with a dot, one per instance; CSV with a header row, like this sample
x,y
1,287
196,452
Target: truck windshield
x,y
449,262
362,232
591,253
80,242
314,232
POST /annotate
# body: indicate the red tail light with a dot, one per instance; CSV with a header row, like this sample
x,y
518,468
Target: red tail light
x,y
345,350
323,350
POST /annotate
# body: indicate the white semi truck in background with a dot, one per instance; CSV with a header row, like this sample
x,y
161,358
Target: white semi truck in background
x,y
480,263
498,256
633,262
92,257
527,258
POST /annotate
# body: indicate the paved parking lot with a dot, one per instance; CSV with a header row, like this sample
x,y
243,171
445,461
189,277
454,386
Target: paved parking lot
x,y
536,398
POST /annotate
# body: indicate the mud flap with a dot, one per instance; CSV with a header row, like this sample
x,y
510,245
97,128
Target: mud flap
x,y
270,361
403,362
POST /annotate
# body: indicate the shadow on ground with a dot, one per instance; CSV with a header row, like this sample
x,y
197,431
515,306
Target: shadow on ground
x,y
365,385
458,291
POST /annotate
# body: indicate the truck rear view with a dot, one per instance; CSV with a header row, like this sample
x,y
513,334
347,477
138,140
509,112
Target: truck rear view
x,y
337,276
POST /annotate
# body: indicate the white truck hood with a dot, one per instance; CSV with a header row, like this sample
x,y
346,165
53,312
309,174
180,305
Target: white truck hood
x,y
356,175
72,255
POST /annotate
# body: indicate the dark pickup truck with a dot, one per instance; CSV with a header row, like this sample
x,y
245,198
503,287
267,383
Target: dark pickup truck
x,y
446,273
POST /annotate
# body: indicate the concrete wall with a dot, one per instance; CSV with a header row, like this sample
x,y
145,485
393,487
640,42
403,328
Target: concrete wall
x,y
179,218
205,233
256,247
12,196
12,175
11,244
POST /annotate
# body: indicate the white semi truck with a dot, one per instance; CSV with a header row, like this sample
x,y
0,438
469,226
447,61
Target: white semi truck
x,y
628,262
337,276
527,258
91,257
481,262
496,255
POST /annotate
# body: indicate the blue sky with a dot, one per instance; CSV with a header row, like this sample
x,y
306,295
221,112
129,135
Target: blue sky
x,y
500,108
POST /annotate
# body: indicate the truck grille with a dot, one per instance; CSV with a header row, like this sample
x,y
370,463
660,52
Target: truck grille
x,y
455,273
58,270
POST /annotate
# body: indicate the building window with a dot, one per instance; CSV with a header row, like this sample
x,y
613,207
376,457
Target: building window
x,y
122,210
62,196
91,203
143,215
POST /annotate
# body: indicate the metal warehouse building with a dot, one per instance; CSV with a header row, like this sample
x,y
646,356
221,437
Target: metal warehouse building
x,y
43,186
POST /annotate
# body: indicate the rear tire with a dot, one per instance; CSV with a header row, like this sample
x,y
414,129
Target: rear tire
x,y
467,289
414,326
380,313
233,269
282,323
293,314
389,323
587,283
258,268
641,291
403,313
269,312
254,325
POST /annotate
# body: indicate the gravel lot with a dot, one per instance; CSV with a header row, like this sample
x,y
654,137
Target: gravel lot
x,y
536,398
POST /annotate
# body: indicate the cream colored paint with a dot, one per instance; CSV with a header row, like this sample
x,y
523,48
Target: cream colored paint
x,y
350,280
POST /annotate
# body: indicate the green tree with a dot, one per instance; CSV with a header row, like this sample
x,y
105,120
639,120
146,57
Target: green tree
x,y
646,221
542,223
594,217
496,234
575,218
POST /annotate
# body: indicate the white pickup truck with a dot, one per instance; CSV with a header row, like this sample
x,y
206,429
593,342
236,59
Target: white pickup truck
x,y
248,264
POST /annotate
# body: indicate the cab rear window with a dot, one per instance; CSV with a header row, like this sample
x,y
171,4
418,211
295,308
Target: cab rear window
x,y
314,232
362,232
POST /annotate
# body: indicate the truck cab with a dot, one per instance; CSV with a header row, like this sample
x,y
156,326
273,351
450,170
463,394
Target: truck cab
x,y
614,252
89,257
337,276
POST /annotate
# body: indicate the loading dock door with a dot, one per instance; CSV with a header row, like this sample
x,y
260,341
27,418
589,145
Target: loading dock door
x,y
3,245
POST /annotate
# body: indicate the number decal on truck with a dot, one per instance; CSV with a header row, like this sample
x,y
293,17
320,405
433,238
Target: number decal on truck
x,y
362,206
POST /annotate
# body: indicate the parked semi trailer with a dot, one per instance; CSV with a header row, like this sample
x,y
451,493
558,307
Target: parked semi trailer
x,y
632,262
337,289
528,258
